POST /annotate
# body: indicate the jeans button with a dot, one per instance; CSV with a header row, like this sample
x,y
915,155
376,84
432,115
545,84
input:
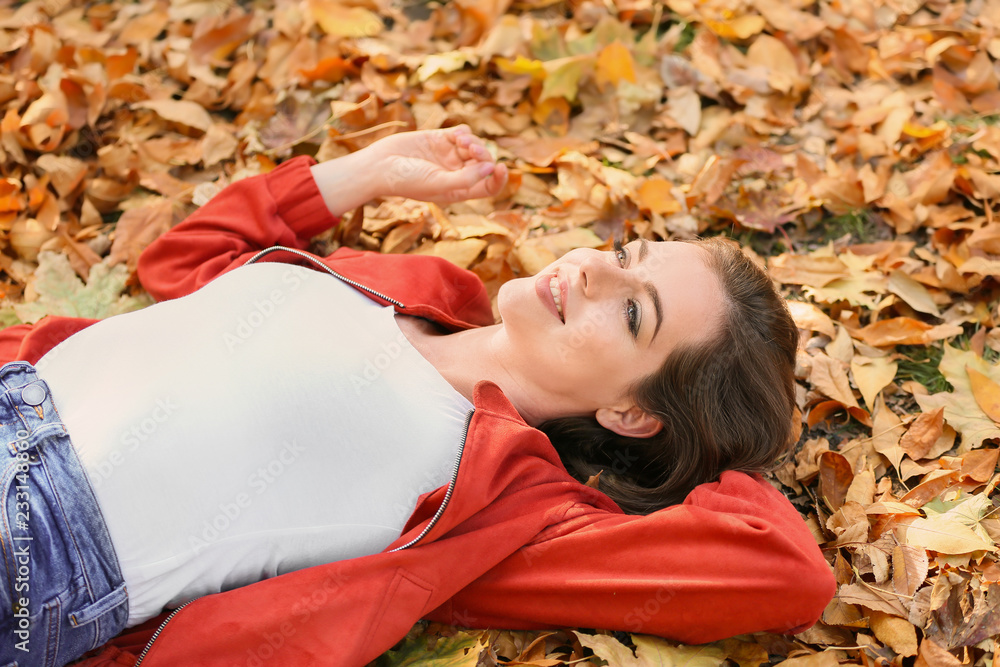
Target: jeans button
x,y
33,394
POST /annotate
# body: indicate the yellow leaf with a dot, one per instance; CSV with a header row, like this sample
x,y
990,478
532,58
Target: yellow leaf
x,y
913,293
809,317
520,66
986,392
460,253
614,63
562,77
872,376
741,27
340,21
944,534
938,129
898,633
449,61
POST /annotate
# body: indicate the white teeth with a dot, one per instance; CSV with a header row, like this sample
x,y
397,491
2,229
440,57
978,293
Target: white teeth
x,y
556,296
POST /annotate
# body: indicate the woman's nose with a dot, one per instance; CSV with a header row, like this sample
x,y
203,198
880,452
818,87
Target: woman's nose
x,y
595,273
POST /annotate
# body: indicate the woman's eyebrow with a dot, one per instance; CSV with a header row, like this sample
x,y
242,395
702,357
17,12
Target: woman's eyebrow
x,y
654,295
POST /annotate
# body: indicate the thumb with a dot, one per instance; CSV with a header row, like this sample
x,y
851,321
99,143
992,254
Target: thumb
x,y
467,176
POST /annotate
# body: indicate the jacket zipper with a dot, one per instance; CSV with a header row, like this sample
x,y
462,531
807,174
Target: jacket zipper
x,y
305,255
458,458
451,487
156,634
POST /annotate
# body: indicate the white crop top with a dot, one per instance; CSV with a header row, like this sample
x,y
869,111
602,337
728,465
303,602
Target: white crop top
x,y
273,420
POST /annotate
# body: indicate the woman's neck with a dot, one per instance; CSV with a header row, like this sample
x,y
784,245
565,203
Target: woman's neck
x,y
467,357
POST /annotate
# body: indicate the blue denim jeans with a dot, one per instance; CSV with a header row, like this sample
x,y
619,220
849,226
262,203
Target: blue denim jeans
x,y
61,589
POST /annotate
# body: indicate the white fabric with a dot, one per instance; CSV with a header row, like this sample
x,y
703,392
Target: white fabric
x,y
274,420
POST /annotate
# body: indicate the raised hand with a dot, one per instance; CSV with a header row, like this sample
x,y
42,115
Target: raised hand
x,y
440,166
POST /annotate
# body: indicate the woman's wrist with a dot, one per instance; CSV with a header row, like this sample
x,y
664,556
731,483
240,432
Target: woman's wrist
x,y
350,181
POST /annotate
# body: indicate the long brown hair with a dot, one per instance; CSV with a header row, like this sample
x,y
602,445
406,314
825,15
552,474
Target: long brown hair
x,y
726,403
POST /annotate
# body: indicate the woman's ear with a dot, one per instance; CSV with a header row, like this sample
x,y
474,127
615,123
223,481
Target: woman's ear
x,y
632,422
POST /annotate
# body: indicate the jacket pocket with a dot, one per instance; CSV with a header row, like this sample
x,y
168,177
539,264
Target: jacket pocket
x,y
403,604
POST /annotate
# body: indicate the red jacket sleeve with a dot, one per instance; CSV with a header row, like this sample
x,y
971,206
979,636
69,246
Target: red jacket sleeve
x,y
735,557
282,207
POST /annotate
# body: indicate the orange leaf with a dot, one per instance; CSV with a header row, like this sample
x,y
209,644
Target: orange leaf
x,y
121,64
986,393
979,464
331,70
614,63
894,331
655,195
927,491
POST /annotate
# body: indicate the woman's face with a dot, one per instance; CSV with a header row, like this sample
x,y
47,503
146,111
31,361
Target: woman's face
x,y
614,318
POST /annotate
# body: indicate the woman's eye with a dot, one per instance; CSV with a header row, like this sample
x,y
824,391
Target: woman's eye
x,y
632,317
620,253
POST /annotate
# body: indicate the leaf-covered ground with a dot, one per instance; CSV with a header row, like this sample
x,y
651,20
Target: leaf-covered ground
x,y
852,145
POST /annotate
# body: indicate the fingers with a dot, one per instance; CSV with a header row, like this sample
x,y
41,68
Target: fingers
x,y
489,182
492,185
468,145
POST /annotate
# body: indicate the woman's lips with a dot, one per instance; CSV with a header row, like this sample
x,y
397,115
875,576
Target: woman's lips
x,y
543,288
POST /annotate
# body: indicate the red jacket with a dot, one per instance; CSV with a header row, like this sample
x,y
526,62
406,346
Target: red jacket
x,y
518,543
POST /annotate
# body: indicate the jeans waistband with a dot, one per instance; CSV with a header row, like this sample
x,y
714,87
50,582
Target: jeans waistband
x,y
27,402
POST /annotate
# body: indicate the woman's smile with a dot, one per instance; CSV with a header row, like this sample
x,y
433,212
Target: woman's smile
x,y
551,289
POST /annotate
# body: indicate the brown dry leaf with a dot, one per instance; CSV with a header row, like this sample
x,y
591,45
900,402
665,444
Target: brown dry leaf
x,y
835,477
137,228
817,270
909,568
932,655
872,598
828,376
913,293
922,434
183,112
886,433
